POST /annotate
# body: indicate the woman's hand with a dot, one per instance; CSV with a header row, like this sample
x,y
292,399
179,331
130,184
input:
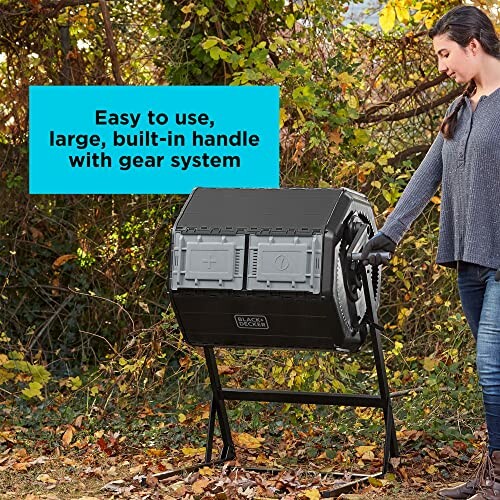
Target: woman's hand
x,y
378,243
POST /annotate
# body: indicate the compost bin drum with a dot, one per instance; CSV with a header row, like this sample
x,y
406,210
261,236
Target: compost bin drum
x,y
273,268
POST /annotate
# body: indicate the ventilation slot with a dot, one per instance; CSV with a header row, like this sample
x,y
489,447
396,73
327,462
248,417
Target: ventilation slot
x,y
237,262
254,262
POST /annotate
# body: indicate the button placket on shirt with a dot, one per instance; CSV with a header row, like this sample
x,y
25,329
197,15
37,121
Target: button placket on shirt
x,y
463,144
461,178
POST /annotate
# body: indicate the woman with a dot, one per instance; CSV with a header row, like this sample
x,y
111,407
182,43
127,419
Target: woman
x,y
465,160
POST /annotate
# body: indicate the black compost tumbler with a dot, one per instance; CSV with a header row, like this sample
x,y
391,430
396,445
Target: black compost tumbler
x,y
274,268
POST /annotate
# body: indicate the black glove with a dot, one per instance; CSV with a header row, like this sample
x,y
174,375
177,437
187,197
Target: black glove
x,y
378,243
497,275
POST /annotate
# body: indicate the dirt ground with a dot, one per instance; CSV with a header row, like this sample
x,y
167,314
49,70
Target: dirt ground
x,y
99,477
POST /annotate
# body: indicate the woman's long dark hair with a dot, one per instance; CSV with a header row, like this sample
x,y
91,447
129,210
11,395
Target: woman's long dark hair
x,y
461,24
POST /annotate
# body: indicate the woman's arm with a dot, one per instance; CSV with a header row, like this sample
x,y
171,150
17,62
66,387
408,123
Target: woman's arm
x,y
417,193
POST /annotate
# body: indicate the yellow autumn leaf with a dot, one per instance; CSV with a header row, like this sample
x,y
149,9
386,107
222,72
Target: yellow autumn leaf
x,y
191,452
33,390
155,452
361,450
353,102
283,117
430,363
75,382
429,22
187,8
206,471
245,440
375,482
387,18
45,478
419,15
346,78
312,494
402,12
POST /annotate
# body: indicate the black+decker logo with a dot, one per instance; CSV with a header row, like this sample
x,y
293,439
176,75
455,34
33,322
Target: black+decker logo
x,y
251,321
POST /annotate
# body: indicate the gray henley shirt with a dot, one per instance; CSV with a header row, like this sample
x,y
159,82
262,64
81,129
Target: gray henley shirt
x,y
468,169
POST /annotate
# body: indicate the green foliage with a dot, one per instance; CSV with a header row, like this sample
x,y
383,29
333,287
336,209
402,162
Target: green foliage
x,y
17,374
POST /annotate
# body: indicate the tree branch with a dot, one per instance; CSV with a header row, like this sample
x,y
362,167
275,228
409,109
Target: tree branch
x,y
61,4
407,153
113,53
413,112
404,93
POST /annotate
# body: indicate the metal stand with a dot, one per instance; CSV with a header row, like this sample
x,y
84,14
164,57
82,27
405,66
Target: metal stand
x,y
220,395
218,411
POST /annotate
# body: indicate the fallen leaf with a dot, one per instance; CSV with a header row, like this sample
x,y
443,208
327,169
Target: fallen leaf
x,y
431,469
335,136
68,461
245,440
36,234
78,421
206,471
45,478
224,369
136,470
362,450
430,363
67,436
191,452
154,452
39,460
200,485
311,494
375,482
20,466
152,481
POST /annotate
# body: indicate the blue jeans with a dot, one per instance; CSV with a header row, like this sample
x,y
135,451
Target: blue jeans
x,y
480,296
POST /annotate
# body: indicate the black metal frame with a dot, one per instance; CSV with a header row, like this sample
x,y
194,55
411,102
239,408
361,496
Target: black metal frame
x,y
220,395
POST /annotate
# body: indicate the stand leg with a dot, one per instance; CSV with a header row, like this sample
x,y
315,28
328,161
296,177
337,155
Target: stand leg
x,y
391,444
228,451
210,434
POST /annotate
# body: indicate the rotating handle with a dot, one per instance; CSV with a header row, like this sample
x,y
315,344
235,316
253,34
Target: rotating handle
x,y
386,256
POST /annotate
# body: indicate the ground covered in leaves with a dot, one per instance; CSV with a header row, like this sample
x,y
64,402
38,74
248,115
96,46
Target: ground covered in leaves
x,y
106,454
109,434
